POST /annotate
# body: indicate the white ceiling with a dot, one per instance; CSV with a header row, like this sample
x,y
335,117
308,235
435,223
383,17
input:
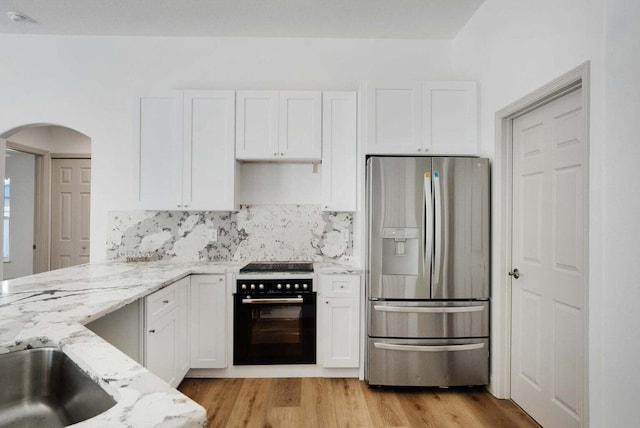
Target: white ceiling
x,y
396,19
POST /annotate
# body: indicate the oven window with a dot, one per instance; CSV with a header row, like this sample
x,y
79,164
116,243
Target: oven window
x,y
279,324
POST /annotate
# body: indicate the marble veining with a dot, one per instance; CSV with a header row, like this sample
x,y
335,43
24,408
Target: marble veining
x,y
50,309
256,232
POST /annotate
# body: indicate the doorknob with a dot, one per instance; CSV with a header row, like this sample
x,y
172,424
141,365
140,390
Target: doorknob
x,y
515,273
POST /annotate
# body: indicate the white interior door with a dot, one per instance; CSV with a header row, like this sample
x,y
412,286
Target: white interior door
x,y
549,240
70,209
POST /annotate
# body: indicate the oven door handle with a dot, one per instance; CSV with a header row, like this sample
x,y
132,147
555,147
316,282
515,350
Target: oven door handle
x,y
272,301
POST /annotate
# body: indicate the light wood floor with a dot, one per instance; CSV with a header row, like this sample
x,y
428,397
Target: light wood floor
x,y
341,403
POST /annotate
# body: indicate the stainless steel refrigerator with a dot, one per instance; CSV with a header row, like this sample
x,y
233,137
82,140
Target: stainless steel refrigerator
x,y
427,271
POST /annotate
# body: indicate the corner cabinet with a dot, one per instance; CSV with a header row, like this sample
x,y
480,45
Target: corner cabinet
x,y
421,118
339,151
186,142
340,325
166,340
208,321
278,125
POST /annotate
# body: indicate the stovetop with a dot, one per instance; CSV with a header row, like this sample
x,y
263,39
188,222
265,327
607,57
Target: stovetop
x,y
273,267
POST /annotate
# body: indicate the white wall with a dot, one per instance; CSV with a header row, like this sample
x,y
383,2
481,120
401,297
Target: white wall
x,y
513,48
21,168
89,84
620,338
53,139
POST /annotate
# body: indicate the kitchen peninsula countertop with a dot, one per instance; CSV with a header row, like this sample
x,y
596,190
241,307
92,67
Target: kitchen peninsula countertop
x,y
51,309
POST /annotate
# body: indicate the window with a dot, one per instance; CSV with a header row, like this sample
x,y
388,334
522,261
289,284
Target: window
x,y
7,214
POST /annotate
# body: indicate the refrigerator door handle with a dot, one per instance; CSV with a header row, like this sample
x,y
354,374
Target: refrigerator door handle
x,y
428,222
429,310
429,348
438,229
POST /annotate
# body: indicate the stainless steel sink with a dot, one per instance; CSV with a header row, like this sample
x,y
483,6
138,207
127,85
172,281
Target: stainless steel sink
x,y
43,388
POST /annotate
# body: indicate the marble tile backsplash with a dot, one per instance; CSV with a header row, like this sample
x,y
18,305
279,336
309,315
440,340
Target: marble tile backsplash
x,y
256,232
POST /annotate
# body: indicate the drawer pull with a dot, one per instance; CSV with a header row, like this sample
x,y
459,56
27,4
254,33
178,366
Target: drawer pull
x,y
152,331
429,310
429,348
165,301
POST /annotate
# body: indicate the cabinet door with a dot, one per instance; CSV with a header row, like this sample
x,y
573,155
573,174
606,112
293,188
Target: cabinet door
x,y
208,321
166,350
300,125
341,332
450,117
209,167
340,320
160,350
160,151
393,118
256,124
339,156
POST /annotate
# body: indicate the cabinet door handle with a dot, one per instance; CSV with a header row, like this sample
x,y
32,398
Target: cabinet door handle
x,y
152,331
165,301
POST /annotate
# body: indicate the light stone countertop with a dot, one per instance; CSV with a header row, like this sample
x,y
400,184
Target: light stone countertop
x,y
51,309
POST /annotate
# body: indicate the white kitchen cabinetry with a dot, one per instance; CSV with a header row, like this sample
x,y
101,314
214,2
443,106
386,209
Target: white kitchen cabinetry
x,y
166,344
339,155
278,125
209,165
418,118
187,151
208,323
340,327
160,150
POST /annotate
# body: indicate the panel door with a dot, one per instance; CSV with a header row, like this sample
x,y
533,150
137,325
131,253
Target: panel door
x,y
461,228
160,150
209,167
257,124
70,212
393,115
339,146
300,127
549,211
208,321
450,117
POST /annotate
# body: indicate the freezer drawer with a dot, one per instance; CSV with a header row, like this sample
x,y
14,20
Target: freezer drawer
x,y
433,362
415,319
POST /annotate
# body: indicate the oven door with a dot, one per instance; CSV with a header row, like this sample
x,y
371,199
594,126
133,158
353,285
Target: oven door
x,y
274,330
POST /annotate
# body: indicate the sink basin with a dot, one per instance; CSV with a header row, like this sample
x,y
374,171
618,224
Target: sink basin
x,y
43,388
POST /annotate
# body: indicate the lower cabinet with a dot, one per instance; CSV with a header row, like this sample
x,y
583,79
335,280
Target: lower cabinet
x,y
166,339
208,321
340,325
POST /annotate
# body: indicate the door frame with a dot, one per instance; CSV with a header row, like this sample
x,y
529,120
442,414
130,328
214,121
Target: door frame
x,y
42,204
502,212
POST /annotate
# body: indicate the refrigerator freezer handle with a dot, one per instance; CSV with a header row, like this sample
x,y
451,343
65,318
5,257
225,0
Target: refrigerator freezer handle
x,y
428,348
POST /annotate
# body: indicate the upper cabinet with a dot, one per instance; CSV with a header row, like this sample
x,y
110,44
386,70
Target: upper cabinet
x,y
339,151
278,125
435,118
186,143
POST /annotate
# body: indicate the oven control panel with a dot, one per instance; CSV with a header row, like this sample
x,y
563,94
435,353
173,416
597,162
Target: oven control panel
x,y
274,286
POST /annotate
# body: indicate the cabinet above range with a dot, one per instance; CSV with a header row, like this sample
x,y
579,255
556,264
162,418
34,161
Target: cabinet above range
x,y
279,125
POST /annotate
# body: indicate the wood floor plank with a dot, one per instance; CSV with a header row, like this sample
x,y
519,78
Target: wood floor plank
x,y
317,403
384,408
349,404
338,403
249,409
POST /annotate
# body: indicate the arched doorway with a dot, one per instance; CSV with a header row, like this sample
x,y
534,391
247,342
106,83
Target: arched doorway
x,y
46,194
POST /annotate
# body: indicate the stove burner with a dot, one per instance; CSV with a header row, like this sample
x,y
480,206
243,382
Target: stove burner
x,y
288,267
